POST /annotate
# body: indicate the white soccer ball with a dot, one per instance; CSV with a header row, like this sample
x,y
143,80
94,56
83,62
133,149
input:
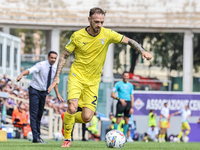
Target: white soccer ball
x,y
115,139
57,136
185,139
175,139
30,136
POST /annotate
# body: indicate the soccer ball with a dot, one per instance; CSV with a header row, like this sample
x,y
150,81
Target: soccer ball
x,y
185,139
115,139
57,136
30,136
175,139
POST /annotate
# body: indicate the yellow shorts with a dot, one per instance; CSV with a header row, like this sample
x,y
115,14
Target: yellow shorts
x,y
87,94
185,126
164,124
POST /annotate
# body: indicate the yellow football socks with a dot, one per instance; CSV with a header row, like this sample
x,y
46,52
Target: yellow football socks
x,y
163,135
78,118
180,134
69,121
186,133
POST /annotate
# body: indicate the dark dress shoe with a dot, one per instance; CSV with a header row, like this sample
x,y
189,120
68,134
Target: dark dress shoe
x,y
39,141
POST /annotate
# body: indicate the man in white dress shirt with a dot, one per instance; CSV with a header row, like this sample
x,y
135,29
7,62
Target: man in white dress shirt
x,y
185,114
164,122
43,74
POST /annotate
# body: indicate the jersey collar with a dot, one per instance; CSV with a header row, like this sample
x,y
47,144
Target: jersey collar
x,y
89,33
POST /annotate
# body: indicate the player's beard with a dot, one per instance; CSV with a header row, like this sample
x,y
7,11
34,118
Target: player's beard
x,y
95,30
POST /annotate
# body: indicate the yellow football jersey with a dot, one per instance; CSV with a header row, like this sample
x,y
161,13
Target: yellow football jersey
x,y
90,53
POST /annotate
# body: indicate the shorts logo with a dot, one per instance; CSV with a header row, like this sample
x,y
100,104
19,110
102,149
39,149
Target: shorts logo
x,y
138,104
102,40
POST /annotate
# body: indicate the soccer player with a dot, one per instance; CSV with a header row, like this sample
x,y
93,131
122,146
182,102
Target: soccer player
x,y
125,100
164,122
90,46
185,114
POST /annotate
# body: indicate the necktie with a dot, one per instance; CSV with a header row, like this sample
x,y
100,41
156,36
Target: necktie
x,y
49,78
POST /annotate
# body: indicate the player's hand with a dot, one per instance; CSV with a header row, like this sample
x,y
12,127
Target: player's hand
x,y
146,55
123,102
131,111
19,78
60,99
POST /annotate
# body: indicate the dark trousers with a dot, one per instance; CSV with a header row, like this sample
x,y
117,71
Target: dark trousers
x,y
36,108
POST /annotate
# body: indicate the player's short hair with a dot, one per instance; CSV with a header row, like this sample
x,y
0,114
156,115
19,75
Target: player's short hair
x,y
96,10
151,110
52,52
125,72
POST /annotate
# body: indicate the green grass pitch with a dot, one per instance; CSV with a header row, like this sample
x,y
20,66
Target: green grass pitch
x,y
15,144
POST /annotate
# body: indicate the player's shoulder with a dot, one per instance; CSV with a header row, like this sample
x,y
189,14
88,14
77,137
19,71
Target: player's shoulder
x,y
118,82
78,33
107,31
129,83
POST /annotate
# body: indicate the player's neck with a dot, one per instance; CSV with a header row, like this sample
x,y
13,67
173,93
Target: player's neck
x,y
91,31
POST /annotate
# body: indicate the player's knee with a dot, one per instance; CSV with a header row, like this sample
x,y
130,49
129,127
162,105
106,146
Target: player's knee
x,y
87,118
72,109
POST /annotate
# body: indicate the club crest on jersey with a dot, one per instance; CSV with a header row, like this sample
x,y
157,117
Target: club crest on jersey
x,y
102,40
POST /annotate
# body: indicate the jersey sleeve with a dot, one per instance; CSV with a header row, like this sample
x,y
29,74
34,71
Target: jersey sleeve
x,y
116,37
71,45
115,88
131,89
180,111
189,112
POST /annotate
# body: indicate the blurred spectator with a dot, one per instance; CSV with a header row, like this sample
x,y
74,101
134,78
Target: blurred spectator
x,y
93,128
2,84
19,117
113,120
27,112
198,120
6,79
131,128
152,134
152,118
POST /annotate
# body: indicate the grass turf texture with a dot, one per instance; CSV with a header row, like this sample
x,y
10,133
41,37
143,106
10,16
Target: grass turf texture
x,y
15,144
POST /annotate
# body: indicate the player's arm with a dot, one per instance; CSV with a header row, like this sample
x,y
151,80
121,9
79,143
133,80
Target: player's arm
x,y
57,93
114,96
188,116
137,47
176,113
61,63
122,101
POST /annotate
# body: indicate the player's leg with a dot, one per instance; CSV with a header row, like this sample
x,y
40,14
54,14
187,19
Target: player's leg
x,y
88,100
74,89
69,117
119,111
129,138
126,117
187,127
181,133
